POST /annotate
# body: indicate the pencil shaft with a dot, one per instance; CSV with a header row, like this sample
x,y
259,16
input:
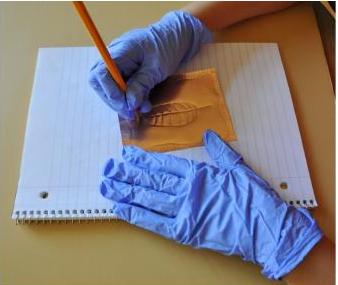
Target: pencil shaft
x,y
111,66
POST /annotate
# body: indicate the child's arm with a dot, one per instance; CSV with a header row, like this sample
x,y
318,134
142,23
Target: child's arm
x,y
217,15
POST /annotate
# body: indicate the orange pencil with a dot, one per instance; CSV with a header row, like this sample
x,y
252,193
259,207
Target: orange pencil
x,y
111,66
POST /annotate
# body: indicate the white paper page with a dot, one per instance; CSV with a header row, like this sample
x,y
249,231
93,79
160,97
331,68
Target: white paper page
x,y
71,133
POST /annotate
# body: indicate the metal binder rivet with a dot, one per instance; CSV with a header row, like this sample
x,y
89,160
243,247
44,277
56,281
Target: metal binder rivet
x,y
283,185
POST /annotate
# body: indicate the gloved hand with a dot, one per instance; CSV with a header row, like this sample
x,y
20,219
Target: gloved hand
x,y
228,209
147,56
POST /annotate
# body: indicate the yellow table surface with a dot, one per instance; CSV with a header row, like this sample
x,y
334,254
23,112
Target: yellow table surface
x,y
118,253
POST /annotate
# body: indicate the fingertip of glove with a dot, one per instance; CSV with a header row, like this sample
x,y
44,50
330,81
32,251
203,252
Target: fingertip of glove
x,y
105,189
108,167
106,192
120,212
208,132
133,153
219,150
210,135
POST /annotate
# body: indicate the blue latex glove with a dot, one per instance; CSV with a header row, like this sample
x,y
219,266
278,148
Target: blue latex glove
x,y
145,57
228,209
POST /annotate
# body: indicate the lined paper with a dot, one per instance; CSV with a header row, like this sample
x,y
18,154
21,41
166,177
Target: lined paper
x,y
255,87
71,133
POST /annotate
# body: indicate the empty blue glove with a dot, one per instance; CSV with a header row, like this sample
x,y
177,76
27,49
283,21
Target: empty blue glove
x,y
145,57
228,209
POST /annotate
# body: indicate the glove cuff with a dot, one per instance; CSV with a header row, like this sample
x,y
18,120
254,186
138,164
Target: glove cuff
x,y
184,30
295,243
201,34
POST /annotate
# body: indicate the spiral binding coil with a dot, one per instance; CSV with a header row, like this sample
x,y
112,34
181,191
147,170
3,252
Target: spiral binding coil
x,y
93,215
64,216
302,203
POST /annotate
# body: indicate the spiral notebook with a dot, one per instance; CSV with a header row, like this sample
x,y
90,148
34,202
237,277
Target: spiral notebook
x,y
71,133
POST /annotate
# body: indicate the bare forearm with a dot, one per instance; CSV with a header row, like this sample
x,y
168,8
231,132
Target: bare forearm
x,y
217,15
318,266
